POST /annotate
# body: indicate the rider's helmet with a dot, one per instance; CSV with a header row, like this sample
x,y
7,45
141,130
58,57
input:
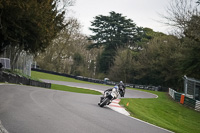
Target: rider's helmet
x,y
116,87
121,82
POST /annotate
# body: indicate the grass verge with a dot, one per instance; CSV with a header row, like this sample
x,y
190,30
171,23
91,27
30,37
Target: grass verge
x,y
74,89
161,111
40,75
164,112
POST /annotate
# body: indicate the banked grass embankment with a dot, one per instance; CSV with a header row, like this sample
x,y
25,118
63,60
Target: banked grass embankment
x,y
164,112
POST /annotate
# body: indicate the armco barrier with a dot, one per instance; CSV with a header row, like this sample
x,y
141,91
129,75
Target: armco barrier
x,y
55,73
16,79
189,102
153,88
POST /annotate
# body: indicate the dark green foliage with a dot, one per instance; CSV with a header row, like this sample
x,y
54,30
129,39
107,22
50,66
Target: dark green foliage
x,y
122,68
77,64
112,32
191,60
106,60
158,63
29,24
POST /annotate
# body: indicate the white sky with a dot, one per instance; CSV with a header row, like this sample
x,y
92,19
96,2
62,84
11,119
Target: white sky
x,y
144,13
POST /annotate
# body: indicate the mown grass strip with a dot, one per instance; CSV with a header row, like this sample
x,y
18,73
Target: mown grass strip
x,y
74,89
164,112
40,75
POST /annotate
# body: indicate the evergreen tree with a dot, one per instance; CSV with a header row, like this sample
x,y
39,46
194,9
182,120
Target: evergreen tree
x,y
29,24
112,32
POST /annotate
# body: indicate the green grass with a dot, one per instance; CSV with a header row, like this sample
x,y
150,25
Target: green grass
x,y
40,75
164,112
161,111
74,89
18,72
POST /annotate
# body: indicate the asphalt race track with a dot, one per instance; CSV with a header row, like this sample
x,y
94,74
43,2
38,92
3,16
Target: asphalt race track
x,y
129,93
25,109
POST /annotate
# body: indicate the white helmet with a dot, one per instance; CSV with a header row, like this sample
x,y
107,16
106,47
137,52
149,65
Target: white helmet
x,y
121,82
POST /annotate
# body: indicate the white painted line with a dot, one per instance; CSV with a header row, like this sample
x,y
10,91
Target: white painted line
x,y
86,88
2,129
123,111
150,124
156,96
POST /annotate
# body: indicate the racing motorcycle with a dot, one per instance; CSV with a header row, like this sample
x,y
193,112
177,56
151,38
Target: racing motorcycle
x,y
121,91
108,96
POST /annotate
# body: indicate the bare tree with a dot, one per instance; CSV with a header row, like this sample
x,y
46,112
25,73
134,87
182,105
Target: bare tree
x,y
179,13
60,55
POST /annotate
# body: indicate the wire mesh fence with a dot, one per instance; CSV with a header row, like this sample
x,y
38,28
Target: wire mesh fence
x,y
23,63
18,61
192,88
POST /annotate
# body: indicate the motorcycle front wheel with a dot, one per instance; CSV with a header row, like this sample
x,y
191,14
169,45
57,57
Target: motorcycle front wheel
x,y
104,101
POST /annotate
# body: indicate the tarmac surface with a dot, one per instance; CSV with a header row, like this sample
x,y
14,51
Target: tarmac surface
x,y
26,109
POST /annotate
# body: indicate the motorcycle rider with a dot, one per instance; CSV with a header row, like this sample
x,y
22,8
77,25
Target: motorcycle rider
x,y
122,88
115,91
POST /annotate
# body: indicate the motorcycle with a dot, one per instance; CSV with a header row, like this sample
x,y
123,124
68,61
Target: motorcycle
x,y
108,96
121,91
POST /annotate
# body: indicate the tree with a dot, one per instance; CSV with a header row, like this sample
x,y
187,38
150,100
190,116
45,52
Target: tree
x,y
184,15
121,70
29,25
112,32
191,60
78,62
67,53
179,12
148,34
60,51
159,62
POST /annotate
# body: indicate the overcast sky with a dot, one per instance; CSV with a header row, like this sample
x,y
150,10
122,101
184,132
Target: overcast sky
x,y
144,13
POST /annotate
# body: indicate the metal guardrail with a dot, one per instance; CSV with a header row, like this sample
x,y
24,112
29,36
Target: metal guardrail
x,y
192,87
146,87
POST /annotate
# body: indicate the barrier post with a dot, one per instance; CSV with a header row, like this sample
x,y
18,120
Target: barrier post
x,y
182,98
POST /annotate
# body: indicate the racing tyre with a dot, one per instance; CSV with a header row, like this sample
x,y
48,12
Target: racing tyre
x,y
103,103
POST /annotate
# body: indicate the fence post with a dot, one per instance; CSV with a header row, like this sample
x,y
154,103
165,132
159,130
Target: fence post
x,y
173,96
197,106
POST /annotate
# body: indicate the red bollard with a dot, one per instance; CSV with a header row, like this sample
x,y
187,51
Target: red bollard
x,y
182,99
